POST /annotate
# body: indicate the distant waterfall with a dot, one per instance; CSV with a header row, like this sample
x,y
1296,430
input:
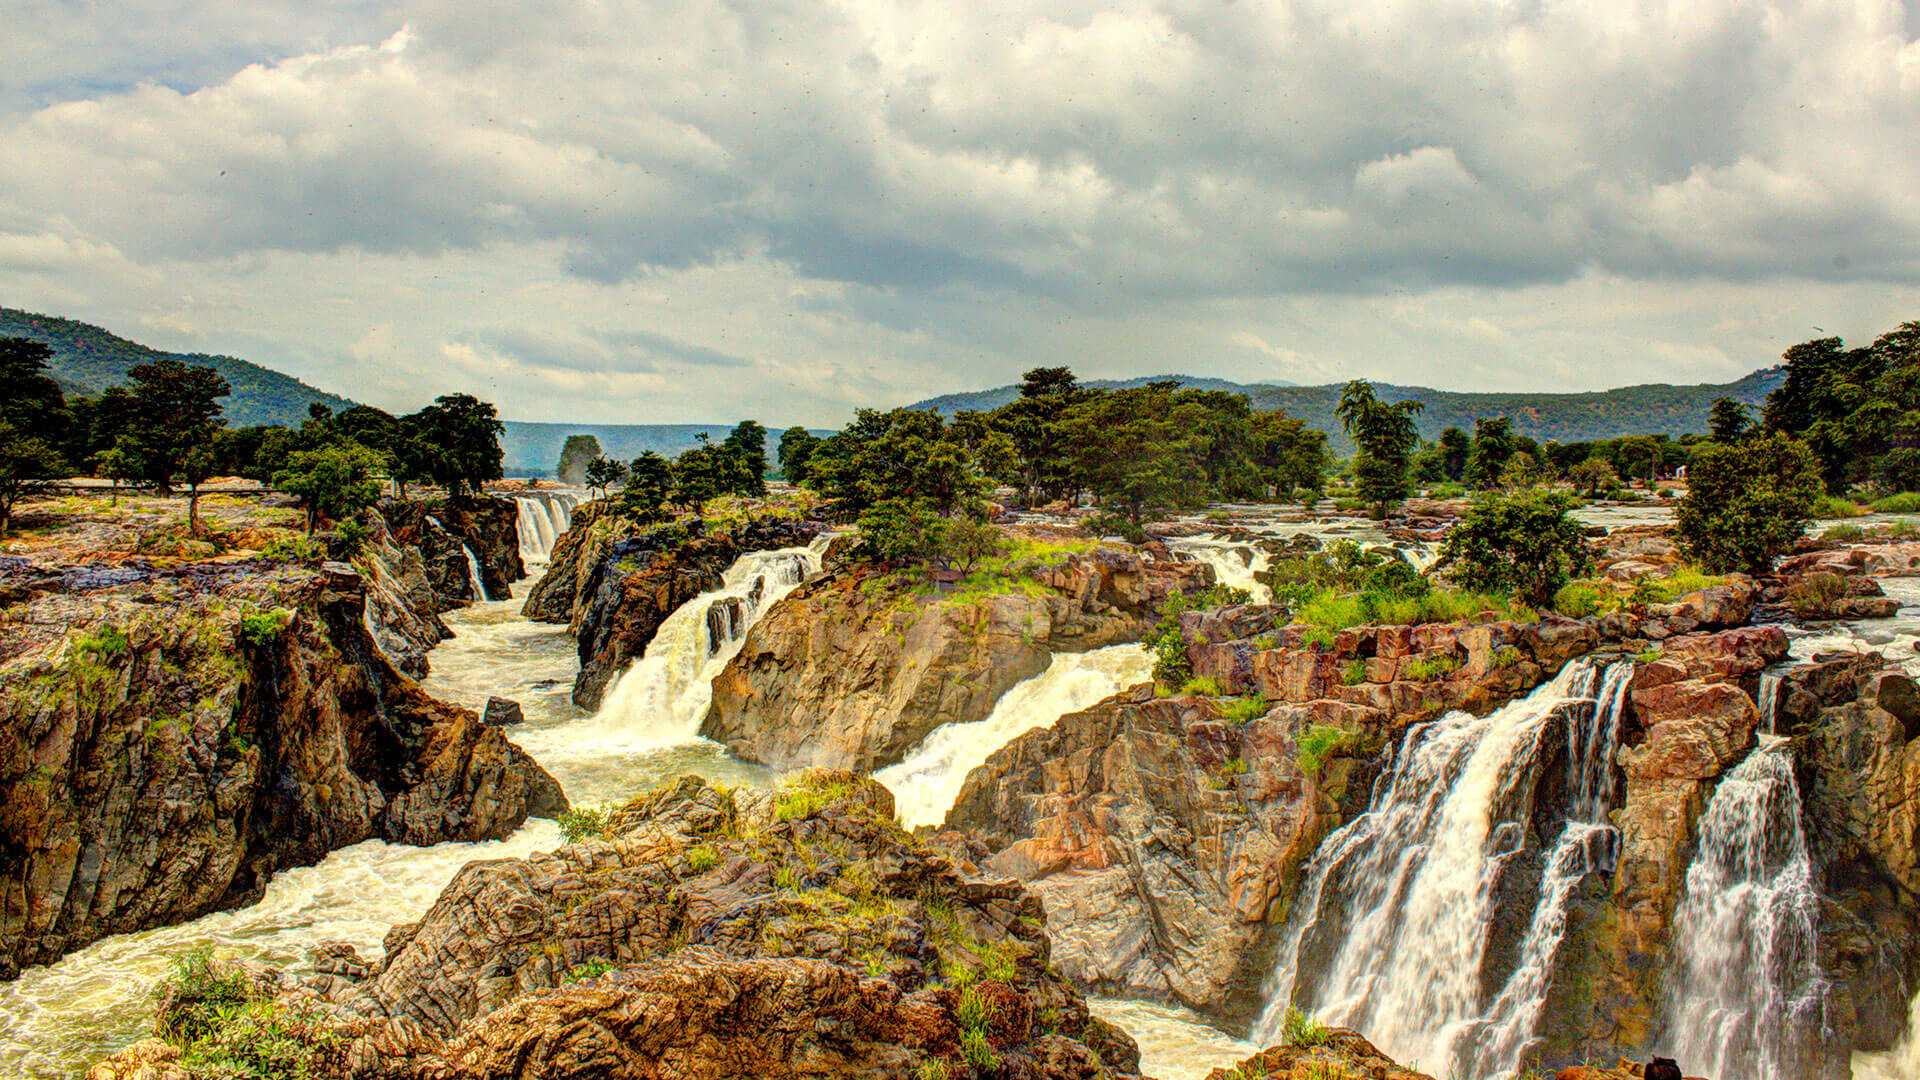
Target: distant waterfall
x,y
544,516
1747,988
663,696
1390,930
1233,564
928,781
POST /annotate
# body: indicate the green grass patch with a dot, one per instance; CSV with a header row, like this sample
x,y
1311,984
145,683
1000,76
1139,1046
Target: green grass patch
x,y
583,824
1832,506
1203,686
1429,668
1320,742
1299,1029
1247,709
1355,674
1907,502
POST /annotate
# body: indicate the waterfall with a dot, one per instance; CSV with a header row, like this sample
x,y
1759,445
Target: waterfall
x,y
1390,930
662,697
1233,564
1747,988
473,574
928,781
1770,699
544,516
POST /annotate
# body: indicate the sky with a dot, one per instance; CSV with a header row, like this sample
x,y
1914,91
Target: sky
x,y
625,211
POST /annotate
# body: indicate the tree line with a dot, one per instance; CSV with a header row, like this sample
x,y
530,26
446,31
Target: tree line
x,y
165,428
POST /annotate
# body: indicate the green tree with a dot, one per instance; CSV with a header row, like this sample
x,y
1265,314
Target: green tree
x,y
28,464
602,473
1593,476
904,454
747,442
579,452
196,466
1135,449
333,482
650,484
1747,504
797,444
1521,543
120,464
1455,449
1493,445
902,530
1730,421
458,444
1384,437
31,401
170,409
1290,455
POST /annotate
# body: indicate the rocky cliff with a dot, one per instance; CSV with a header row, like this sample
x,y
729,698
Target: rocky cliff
x,y
170,738
614,585
712,933
853,669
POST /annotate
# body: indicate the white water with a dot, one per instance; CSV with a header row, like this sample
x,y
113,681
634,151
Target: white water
x,y
1391,925
1748,988
926,783
58,1019
662,698
1233,564
1175,1043
1900,1063
543,517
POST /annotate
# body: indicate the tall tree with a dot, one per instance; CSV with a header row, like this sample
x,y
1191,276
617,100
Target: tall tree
x,y
649,486
1730,422
459,443
747,442
169,409
334,481
27,464
1455,449
797,444
1384,437
1493,445
31,400
1747,504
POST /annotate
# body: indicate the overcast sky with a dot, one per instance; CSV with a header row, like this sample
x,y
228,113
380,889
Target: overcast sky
x,y
620,211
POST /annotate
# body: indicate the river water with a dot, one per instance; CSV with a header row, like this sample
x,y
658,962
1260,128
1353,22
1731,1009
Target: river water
x,y
58,1019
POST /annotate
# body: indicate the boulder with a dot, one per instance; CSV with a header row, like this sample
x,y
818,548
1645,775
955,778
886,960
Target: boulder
x,y
502,712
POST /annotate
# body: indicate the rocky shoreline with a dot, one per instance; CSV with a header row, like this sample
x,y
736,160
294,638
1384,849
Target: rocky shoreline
x,y
172,735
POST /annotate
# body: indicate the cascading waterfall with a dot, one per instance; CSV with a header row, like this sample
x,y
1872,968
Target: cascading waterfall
x,y
1748,991
926,783
1233,564
663,696
1770,697
1389,934
543,517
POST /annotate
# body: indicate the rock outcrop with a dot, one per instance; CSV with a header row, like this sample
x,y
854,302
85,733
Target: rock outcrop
x,y
853,669
614,586
170,739
490,527
1330,1053
710,933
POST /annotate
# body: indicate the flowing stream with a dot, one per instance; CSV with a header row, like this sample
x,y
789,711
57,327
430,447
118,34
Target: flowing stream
x,y
926,783
1233,564
1391,930
543,517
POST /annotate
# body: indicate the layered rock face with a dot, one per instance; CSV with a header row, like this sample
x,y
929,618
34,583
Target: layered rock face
x,y
852,670
490,526
170,739
708,933
614,591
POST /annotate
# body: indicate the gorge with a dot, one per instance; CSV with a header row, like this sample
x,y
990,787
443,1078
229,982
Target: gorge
x,y
1533,823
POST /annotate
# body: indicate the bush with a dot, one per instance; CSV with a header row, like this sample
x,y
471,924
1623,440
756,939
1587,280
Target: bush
x,y
294,548
1318,743
1299,1029
578,825
353,534
1814,595
264,627
1171,666
1102,524
1523,544
592,969
197,995
1746,504
1907,502
1247,709
270,1041
1579,599
1832,506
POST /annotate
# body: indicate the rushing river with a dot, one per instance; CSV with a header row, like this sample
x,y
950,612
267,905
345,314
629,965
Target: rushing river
x,y
58,1019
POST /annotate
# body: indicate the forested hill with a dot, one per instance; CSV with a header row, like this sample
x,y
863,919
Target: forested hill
x,y
1653,409
87,360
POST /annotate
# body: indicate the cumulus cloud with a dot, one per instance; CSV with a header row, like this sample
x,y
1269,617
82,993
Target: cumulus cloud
x,y
635,210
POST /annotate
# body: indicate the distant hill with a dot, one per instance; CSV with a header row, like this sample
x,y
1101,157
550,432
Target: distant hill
x,y
1652,409
988,400
87,360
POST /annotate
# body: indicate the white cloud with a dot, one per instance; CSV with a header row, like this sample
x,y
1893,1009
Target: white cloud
x,y
871,200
